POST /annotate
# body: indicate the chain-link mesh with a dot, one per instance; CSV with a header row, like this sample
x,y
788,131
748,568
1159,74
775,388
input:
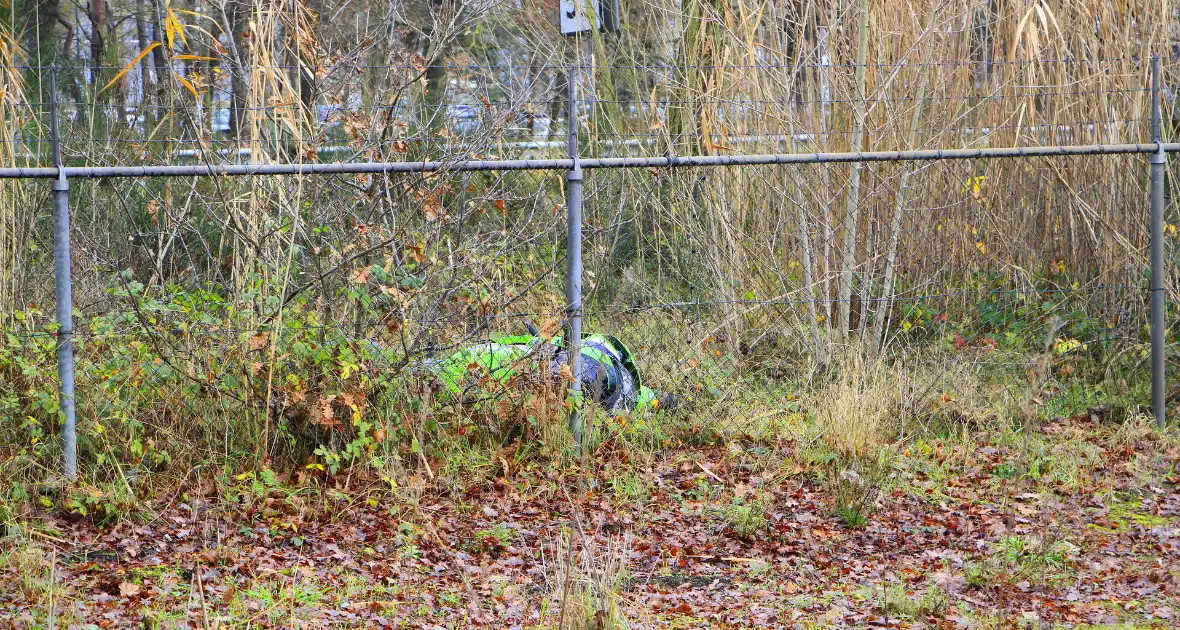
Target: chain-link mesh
x,y
304,312
320,307
732,282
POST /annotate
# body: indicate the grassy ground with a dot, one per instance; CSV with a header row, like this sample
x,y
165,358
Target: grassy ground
x,y
831,512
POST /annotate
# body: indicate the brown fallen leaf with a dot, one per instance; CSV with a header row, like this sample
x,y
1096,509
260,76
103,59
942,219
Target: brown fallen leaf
x,y
360,275
258,341
127,589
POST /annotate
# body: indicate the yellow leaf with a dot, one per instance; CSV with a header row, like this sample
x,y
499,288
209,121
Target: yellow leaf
x,y
1064,346
169,30
183,81
138,58
974,185
194,58
172,28
179,28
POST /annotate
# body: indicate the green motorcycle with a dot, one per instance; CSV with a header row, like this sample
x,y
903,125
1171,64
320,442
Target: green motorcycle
x,y
606,370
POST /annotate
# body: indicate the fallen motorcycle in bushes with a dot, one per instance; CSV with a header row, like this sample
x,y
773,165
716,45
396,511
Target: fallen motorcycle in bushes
x,y
606,369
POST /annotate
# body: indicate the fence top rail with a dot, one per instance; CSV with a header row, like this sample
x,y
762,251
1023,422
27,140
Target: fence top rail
x,y
184,170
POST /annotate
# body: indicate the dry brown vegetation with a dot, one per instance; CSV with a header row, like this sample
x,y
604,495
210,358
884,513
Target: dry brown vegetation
x,y
898,383
937,75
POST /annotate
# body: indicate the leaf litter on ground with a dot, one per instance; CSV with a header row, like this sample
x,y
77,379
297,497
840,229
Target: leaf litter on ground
x,y
970,546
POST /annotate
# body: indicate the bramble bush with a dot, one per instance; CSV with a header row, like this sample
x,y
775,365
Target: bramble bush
x,y
182,378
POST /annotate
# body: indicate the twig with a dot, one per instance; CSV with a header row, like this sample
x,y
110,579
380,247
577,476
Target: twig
x,y
201,594
48,537
52,590
710,473
565,589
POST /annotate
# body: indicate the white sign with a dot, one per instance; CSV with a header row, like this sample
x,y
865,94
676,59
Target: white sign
x,y
576,16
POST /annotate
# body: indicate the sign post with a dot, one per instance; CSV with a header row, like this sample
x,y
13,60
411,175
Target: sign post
x,y
583,16
579,18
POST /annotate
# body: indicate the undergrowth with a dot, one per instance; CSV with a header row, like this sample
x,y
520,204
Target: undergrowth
x,y
180,384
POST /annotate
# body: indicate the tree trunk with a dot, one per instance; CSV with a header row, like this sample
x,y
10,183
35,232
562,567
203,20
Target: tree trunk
x,y
885,305
98,27
237,14
558,105
819,121
142,39
159,63
805,245
39,22
852,216
436,85
436,73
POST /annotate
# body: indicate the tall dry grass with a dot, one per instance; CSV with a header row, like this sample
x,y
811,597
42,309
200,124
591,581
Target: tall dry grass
x,y
703,77
16,217
585,577
860,411
938,74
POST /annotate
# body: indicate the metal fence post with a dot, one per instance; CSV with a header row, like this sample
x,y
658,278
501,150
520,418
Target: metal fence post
x,y
1158,324
65,295
573,249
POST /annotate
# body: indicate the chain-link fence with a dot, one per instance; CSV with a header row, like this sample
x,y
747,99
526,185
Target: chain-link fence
x,y
731,281
347,307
